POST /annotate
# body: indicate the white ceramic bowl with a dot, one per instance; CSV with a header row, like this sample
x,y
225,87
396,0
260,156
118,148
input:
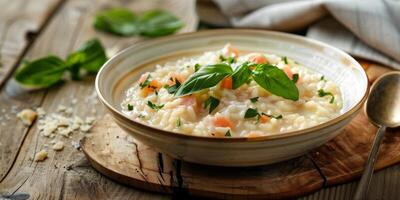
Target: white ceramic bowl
x,y
124,69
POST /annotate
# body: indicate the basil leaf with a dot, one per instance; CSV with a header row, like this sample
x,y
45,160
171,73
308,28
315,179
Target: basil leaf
x,y
241,75
154,106
322,93
254,99
207,76
250,113
41,73
274,80
212,103
90,56
119,21
158,23
295,78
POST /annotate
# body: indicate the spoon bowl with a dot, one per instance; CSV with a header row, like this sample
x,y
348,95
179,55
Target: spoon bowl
x,y
383,104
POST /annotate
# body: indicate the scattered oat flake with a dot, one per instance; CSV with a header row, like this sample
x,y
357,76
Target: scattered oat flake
x,y
85,128
58,146
76,145
61,108
40,156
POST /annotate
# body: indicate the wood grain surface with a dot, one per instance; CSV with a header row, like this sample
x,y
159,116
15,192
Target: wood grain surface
x,y
31,29
124,159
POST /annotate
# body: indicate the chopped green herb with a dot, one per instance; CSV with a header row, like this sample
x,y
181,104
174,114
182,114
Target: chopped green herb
x,y
130,107
146,82
322,93
273,116
172,89
295,78
229,60
228,133
254,99
212,103
250,113
178,122
141,116
154,106
322,78
197,67
285,60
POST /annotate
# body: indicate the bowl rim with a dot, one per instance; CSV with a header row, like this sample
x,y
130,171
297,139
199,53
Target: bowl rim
x,y
284,135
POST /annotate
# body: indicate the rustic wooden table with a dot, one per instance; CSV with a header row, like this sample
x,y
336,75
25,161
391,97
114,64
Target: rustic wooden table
x,y
33,28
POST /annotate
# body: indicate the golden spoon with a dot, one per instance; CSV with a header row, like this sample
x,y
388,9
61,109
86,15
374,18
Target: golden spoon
x,y
383,110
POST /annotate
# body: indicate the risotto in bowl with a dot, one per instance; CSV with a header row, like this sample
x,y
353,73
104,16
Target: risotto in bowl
x,y
232,97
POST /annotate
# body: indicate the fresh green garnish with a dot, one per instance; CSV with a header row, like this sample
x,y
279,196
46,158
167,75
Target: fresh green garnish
x,y
47,71
285,60
172,89
269,77
207,76
295,78
274,80
228,133
197,67
141,116
90,57
322,93
273,116
250,113
254,99
178,122
228,60
322,78
241,75
123,22
130,107
146,82
154,106
212,103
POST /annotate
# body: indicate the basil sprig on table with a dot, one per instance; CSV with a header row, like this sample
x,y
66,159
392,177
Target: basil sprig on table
x,y
47,71
267,76
123,22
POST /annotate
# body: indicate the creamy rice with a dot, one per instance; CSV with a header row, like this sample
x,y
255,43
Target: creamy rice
x,y
187,114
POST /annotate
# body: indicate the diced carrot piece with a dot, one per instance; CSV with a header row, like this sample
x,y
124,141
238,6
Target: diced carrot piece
x,y
264,118
288,72
226,83
253,134
223,122
259,59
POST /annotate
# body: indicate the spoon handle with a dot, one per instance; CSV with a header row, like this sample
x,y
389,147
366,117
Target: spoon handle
x,y
363,185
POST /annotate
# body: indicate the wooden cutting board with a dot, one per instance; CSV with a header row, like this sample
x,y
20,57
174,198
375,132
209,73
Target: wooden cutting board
x,y
122,158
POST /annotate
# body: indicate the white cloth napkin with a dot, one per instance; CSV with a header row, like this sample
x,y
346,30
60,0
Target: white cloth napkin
x,y
367,29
